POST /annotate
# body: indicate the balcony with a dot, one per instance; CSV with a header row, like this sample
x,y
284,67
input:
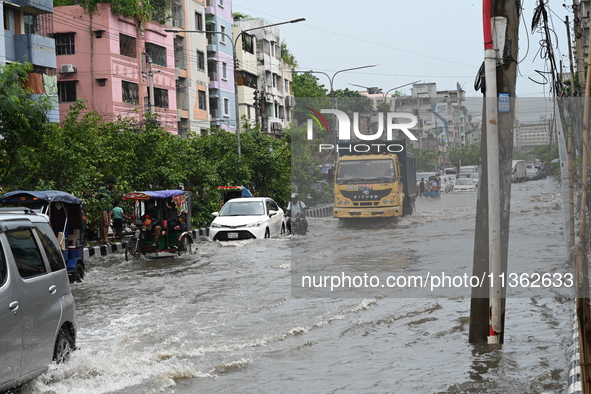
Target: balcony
x,y
35,6
36,49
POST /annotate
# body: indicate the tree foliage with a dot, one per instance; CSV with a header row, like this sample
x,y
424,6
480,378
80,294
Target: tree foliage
x,y
465,155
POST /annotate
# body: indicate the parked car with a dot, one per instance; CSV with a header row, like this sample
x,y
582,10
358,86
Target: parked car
x,y
464,185
37,313
475,177
464,174
247,218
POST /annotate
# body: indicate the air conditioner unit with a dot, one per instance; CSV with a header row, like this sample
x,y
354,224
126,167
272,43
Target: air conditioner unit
x,y
67,69
175,23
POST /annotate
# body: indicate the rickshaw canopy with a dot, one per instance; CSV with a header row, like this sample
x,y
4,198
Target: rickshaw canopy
x,y
25,196
148,195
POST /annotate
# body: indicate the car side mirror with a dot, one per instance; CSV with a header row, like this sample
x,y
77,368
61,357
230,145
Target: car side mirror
x,y
215,214
272,213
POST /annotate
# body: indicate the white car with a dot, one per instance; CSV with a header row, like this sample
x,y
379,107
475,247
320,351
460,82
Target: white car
x,y
475,177
465,185
247,218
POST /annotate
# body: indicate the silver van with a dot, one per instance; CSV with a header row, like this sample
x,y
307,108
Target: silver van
x,y
37,311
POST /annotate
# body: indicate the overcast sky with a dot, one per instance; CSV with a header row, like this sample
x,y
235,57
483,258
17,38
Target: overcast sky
x,y
431,40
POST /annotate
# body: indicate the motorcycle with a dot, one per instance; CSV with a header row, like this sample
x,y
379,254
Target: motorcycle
x,y
298,226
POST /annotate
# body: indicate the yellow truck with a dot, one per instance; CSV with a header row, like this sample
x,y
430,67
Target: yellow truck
x,y
374,180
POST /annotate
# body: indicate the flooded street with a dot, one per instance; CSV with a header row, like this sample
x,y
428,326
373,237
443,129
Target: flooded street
x,y
232,319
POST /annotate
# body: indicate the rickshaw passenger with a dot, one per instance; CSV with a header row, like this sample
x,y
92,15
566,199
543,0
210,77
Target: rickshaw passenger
x,y
171,215
153,214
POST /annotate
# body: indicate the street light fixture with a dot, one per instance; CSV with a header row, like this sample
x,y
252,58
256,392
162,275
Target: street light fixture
x,y
235,59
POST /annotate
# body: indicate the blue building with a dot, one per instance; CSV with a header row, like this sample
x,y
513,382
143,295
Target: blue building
x,y
27,37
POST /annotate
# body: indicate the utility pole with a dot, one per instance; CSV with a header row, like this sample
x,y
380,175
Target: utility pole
x,y
580,59
581,260
151,82
487,311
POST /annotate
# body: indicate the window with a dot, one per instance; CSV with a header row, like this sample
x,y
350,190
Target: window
x,y
130,92
25,252
56,259
212,71
201,97
64,44
200,60
3,267
160,98
248,43
221,2
272,48
274,80
224,70
31,23
66,91
223,37
210,27
226,107
198,21
213,107
157,52
286,86
127,45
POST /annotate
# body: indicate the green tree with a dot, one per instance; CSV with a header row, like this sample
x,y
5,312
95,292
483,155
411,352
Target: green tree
x,y
465,155
426,159
23,121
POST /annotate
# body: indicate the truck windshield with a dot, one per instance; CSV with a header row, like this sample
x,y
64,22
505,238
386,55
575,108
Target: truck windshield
x,y
351,171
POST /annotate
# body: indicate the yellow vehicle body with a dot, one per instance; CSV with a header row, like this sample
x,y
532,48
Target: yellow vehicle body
x,y
368,186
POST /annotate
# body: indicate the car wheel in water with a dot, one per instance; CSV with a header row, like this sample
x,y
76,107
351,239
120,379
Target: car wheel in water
x,y
64,346
283,228
79,273
267,233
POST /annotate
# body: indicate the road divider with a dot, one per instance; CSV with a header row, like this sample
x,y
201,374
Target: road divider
x,y
114,247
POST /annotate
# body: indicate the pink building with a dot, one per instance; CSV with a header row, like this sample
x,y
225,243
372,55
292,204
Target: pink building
x,y
106,62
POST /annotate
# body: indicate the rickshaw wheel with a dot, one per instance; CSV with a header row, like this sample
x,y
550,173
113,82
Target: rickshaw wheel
x,y
79,273
184,246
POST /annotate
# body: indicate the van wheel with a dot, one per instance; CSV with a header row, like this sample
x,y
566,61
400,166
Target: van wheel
x,y
79,273
64,346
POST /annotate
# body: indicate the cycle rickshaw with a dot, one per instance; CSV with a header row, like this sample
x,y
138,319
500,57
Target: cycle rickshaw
x,y
65,217
171,212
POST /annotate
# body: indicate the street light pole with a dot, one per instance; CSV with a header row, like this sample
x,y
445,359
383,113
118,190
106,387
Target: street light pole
x,y
331,79
235,60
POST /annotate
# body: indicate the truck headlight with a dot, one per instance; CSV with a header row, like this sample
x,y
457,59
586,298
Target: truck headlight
x,y
340,202
392,201
347,202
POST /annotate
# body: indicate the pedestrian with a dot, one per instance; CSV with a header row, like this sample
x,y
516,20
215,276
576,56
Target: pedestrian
x,y
105,196
118,217
422,187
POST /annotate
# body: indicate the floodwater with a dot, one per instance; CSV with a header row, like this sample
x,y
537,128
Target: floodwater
x,y
226,319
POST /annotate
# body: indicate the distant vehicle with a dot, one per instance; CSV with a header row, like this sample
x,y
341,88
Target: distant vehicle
x,y
450,171
247,218
470,169
464,174
465,185
518,173
230,192
532,174
38,316
475,178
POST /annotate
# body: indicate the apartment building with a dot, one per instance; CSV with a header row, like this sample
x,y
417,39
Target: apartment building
x,y
274,78
220,64
114,63
27,37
